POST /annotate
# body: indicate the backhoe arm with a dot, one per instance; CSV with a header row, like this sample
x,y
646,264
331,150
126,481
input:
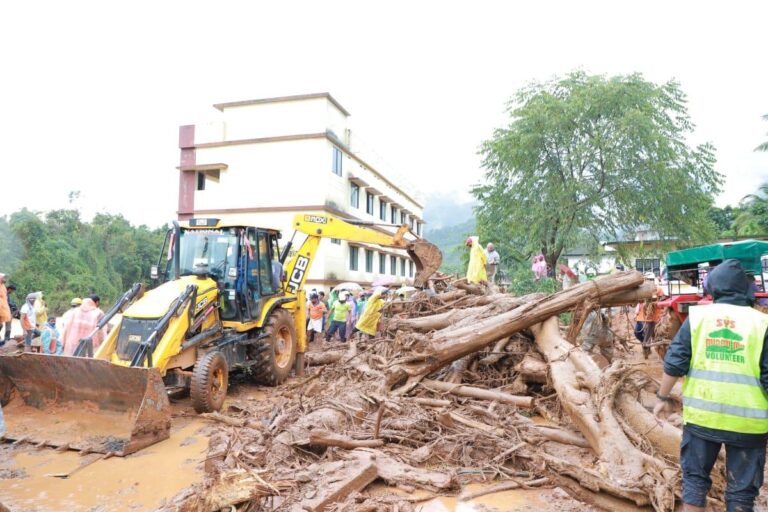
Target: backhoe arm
x,y
426,256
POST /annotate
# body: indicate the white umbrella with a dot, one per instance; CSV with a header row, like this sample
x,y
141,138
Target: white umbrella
x,y
350,287
384,281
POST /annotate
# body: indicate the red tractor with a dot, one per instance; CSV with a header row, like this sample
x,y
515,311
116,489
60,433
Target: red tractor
x,y
687,272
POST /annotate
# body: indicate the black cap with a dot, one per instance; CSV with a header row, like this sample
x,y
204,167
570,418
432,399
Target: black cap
x,y
11,287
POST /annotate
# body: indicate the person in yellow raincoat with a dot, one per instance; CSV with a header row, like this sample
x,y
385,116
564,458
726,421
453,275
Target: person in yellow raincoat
x,y
369,320
477,259
41,310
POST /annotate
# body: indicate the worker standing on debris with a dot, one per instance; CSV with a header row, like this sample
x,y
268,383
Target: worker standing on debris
x,y
73,305
50,338
720,350
5,311
339,311
647,316
82,323
369,321
316,313
41,310
493,260
596,331
477,260
28,321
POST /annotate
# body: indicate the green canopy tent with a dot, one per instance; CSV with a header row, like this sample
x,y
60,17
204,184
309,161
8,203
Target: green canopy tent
x,y
748,252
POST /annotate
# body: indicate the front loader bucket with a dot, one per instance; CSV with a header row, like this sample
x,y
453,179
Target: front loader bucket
x,y
427,258
84,404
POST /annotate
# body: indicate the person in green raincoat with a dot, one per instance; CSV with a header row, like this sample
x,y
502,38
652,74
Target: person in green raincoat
x,y
476,272
369,320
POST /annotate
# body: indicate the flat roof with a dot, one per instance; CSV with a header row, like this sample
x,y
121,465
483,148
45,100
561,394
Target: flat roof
x,y
283,99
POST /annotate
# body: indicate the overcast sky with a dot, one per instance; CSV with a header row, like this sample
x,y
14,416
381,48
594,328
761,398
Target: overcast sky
x,y
93,93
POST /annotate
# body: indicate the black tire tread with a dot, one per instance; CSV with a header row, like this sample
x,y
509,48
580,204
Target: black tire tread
x,y
265,371
200,387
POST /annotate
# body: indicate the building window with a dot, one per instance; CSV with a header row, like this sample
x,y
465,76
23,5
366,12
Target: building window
x,y
393,265
369,203
200,181
394,214
418,228
353,257
402,267
648,265
382,263
413,224
368,260
337,156
382,210
402,218
410,268
354,195
335,241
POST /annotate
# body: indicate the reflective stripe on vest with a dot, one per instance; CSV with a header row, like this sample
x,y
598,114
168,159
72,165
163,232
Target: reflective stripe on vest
x,y
722,389
735,378
744,412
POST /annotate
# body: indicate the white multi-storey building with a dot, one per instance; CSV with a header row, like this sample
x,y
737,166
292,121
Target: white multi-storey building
x,y
267,159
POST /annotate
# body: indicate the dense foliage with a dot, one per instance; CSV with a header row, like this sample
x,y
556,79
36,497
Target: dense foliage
x,y
595,155
64,257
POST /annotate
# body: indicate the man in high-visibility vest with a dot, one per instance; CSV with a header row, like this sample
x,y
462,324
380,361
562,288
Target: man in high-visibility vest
x,y
720,352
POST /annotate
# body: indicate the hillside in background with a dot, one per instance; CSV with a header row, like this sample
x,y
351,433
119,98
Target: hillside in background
x,y
447,210
449,221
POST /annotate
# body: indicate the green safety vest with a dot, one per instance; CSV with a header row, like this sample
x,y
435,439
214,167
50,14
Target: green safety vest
x,y
722,389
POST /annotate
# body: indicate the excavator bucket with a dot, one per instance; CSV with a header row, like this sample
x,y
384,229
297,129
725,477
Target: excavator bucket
x,y
427,258
83,404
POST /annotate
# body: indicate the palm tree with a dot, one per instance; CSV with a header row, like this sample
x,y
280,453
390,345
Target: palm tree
x,y
764,145
753,218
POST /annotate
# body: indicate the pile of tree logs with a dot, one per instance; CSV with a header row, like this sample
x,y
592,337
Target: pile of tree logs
x,y
466,384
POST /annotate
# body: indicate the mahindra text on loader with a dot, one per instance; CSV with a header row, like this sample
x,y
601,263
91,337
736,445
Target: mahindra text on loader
x,y
219,306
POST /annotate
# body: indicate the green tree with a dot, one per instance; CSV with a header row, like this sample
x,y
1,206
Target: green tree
x,y
590,155
64,257
723,219
752,216
764,145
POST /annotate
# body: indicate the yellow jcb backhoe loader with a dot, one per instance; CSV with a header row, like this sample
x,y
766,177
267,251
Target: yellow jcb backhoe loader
x,y
220,305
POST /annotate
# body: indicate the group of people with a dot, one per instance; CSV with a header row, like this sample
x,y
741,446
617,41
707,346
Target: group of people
x,y
346,313
41,331
483,264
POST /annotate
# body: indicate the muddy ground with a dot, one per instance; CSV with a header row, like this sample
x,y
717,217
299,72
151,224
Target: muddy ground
x,y
145,480
151,478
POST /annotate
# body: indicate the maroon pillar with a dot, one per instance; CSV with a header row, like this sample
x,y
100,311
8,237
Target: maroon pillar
x,y
187,181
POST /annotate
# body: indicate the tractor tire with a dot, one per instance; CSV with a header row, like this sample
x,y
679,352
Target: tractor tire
x,y
210,378
277,354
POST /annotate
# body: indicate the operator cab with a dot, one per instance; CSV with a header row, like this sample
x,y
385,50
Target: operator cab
x,y
244,262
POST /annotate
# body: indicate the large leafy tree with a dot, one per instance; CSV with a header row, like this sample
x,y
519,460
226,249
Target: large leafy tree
x,y
595,156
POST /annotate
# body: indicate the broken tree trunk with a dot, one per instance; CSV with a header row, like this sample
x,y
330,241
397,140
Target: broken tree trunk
x,y
324,438
497,352
429,323
526,402
625,471
321,358
630,297
466,340
532,369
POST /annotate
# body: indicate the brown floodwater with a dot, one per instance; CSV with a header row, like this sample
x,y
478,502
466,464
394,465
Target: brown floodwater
x,y
134,483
